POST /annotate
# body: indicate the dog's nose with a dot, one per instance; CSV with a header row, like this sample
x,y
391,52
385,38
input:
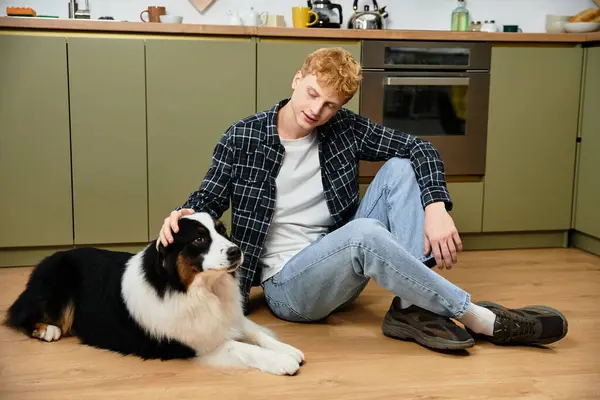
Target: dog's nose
x,y
234,253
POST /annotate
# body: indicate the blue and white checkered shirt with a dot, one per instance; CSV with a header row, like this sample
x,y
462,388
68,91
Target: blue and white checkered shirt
x,y
248,156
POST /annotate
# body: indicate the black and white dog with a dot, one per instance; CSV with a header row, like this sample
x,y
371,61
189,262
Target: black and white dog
x,y
179,301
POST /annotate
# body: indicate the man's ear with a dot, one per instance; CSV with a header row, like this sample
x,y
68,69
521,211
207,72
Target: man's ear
x,y
296,79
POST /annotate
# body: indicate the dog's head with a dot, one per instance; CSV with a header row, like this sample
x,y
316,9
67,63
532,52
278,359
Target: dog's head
x,y
201,253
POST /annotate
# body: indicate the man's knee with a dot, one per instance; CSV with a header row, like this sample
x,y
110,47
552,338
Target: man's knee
x,y
362,230
398,167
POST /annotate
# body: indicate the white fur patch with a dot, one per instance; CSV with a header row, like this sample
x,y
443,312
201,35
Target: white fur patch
x,y
216,258
50,334
242,355
265,338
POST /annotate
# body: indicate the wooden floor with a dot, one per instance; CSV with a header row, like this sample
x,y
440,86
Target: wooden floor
x,y
349,358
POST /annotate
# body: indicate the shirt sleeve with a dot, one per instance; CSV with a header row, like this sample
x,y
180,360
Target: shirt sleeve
x,y
379,143
213,194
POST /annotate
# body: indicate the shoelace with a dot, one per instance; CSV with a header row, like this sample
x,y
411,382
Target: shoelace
x,y
514,327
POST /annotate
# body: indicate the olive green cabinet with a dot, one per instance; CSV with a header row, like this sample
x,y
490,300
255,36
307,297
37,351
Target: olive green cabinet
x,y
587,212
280,59
533,116
35,164
108,138
195,90
467,210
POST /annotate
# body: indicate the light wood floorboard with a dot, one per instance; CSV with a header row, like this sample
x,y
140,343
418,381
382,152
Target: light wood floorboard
x,y
348,357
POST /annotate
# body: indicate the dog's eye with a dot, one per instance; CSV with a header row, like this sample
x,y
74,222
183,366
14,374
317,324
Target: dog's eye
x,y
199,240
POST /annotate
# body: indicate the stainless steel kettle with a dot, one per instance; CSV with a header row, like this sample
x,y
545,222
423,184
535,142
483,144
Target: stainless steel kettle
x,y
368,19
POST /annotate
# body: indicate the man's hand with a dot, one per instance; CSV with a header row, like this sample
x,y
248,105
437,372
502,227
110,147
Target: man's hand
x,y
171,223
440,235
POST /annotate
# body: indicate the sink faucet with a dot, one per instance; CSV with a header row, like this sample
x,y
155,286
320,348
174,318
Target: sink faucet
x,y
76,12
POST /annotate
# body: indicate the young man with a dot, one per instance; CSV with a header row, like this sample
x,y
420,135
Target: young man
x,y
291,176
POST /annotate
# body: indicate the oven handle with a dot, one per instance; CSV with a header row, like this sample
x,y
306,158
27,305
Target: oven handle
x,y
398,81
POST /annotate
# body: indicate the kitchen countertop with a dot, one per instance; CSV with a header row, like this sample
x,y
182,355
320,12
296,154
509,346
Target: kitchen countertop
x,y
229,30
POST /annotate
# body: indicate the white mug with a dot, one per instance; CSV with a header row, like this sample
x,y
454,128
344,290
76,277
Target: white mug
x,y
274,20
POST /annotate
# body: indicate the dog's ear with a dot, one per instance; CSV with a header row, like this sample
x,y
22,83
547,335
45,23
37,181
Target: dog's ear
x,y
220,228
161,252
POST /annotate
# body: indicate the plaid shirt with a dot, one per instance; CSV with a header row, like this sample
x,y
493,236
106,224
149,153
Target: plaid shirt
x,y
248,156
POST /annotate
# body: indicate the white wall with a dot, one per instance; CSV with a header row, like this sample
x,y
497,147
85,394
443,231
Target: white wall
x,y
404,14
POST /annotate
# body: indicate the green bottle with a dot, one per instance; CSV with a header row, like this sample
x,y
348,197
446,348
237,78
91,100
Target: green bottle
x,y
460,18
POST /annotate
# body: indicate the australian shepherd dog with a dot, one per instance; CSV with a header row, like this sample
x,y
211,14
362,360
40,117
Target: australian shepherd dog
x,y
181,301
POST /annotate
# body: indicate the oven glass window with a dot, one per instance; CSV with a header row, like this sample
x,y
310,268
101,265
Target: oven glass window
x,y
427,56
426,110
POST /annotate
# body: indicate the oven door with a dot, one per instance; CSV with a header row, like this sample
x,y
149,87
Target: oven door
x,y
449,109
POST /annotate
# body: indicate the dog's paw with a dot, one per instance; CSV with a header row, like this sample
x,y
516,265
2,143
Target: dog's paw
x,y
284,348
292,352
278,364
49,333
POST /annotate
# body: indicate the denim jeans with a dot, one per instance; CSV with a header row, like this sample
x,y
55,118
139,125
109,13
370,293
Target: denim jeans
x,y
383,241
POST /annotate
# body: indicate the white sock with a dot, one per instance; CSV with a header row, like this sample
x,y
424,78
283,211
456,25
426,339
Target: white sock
x,y
404,304
479,319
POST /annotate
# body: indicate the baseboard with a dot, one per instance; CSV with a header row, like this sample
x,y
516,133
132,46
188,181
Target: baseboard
x,y
585,242
514,240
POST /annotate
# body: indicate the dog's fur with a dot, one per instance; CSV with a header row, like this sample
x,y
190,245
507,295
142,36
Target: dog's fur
x,y
178,301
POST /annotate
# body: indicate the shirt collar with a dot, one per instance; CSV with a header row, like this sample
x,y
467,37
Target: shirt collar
x,y
272,136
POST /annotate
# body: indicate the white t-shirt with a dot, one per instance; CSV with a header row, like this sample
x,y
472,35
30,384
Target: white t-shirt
x,y
301,213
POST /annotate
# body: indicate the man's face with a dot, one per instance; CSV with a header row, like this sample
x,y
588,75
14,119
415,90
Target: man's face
x,y
313,105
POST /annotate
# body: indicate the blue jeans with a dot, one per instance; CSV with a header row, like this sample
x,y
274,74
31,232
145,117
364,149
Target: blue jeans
x,y
383,241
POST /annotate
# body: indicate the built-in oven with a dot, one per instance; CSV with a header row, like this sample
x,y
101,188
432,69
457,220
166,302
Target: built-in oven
x,y
437,91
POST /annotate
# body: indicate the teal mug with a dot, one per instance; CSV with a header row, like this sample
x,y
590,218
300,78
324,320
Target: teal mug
x,y
512,28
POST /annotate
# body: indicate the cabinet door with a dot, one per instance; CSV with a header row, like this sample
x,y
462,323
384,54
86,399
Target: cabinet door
x,y
196,89
533,111
587,213
35,163
280,59
108,133
467,200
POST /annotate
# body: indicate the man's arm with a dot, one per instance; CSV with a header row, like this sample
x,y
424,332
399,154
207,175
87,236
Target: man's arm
x,y
379,143
213,194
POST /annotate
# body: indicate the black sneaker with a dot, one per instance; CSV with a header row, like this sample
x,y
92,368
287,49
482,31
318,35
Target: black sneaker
x,y
424,327
531,325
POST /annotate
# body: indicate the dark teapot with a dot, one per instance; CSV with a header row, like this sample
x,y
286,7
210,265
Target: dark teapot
x,y
328,18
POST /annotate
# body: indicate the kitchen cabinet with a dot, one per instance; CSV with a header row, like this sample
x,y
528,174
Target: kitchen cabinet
x,y
587,214
35,164
108,134
196,89
532,130
280,59
467,201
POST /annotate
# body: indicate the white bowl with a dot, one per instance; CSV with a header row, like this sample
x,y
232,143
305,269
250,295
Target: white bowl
x,y
171,19
582,27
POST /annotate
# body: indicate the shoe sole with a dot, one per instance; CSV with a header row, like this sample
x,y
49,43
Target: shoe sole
x,y
541,307
393,329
